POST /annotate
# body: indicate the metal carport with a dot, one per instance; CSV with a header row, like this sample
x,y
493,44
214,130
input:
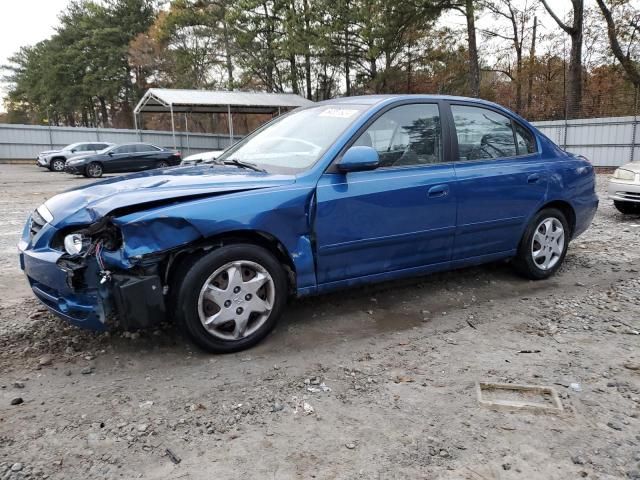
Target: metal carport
x,y
159,100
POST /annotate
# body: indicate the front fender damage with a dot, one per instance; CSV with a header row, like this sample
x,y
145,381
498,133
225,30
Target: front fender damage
x,y
123,268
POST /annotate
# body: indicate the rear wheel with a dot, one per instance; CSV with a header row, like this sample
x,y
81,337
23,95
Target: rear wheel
x,y
231,298
543,245
93,170
57,165
162,164
628,208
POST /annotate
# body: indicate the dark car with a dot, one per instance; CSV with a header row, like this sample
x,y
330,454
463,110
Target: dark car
x,y
131,157
346,192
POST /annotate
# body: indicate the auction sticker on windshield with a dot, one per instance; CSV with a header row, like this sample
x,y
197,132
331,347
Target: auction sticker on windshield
x,y
338,113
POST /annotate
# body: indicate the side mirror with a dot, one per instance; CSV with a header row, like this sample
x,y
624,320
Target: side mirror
x,y
357,159
110,154
73,150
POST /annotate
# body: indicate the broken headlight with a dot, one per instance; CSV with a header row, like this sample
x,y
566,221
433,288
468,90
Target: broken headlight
x,y
76,243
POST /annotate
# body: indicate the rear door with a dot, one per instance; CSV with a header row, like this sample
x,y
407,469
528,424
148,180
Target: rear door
x,y
501,178
400,216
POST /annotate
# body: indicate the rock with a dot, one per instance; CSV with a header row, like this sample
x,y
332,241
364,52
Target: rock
x,y
142,427
575,387
350,445
444,454
87,370
506,466
277,407
17,401
18,384
16,467
578,460
45,360
615,425
632,366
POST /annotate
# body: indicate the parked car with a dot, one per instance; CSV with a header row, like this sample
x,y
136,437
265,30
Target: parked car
x,y
55,160
131,157
362,189
624,188
201,157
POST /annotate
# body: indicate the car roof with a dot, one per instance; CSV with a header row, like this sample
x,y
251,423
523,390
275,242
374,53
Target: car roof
x,y
378,99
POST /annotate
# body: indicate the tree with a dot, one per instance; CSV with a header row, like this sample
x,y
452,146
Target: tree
x,y
575,31
616,33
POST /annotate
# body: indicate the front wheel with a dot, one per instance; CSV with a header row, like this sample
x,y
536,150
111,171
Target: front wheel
x,y
543,245
57,165
231,298
627,208
93,170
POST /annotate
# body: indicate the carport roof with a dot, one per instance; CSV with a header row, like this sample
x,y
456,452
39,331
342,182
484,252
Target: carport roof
x,y
207,101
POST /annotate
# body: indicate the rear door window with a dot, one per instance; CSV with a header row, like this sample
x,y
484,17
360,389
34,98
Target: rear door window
x,y
483,133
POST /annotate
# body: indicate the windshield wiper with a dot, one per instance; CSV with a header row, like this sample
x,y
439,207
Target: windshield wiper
x,y
241,164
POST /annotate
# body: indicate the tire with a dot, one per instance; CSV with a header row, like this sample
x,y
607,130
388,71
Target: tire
x,y
627,208
93,170
162,164
204,292
543,246
57,164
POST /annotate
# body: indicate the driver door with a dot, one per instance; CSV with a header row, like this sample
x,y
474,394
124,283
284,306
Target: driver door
x,y
398,217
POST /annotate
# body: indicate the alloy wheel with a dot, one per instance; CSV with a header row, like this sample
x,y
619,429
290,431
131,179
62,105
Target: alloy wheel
x,y
236,300
58,165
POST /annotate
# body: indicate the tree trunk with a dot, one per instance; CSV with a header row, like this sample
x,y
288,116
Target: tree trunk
x,y
294,74
575,61
474,68
103,112
307,48
227,54
532,60
347,61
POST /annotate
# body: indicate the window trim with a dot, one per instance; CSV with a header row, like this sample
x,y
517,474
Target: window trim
x,y
445,134
454,136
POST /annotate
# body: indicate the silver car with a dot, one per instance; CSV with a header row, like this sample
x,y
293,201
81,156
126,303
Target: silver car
x,y
55,160
624,188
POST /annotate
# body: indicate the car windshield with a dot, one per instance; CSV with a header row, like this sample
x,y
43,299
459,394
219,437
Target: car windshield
x,y
294,142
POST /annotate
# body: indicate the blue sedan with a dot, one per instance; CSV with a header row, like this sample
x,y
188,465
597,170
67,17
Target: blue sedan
x,y
343,193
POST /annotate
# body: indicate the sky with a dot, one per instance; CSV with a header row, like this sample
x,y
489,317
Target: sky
x,y
26,22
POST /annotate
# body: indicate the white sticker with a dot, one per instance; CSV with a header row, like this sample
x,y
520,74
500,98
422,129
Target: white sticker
x,y
338,113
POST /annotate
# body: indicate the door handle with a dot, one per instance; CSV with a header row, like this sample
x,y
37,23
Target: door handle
x,y
533,178
438,191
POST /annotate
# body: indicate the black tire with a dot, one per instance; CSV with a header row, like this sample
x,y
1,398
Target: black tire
x,y
190,278
57,164
524,261
162,164
93,170
627,208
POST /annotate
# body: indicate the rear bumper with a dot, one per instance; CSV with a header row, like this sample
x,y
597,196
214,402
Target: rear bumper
x,y
624,191
585,211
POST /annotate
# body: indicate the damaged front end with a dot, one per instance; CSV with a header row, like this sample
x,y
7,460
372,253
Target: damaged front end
x,y
129,294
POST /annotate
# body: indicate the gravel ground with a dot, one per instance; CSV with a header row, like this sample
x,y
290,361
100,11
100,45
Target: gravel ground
x,y
371,383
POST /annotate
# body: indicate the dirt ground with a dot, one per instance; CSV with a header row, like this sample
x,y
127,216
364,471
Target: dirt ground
x,y
375,383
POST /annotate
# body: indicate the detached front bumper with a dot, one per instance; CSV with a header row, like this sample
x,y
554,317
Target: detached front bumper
x,y
624,191
49,284
78,294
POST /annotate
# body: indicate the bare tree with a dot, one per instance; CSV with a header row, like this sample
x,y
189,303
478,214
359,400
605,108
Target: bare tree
x,y
630,66
575,31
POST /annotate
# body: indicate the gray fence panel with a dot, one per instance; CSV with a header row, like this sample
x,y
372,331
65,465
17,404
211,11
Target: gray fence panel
x,y
607,142
26,141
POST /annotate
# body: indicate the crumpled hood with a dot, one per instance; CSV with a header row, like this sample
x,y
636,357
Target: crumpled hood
x,y
89,203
